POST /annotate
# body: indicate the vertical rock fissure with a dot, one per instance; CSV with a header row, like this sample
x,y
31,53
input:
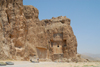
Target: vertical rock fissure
x,y
8,17
3,29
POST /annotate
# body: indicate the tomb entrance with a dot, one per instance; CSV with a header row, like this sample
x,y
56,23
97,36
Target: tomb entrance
x,y
42,52
57,47
57,43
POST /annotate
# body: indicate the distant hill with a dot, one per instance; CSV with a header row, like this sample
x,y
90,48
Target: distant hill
x,y
92,57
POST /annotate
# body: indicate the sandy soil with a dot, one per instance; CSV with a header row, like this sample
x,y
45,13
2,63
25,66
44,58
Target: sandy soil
x,y
53,64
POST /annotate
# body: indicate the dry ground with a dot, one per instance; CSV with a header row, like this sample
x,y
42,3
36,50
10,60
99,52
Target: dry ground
x,y
53,64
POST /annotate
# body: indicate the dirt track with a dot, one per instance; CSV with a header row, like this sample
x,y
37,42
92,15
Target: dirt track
x,y
53,64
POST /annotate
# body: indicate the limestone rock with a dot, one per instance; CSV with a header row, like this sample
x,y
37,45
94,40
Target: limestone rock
x,y
23,35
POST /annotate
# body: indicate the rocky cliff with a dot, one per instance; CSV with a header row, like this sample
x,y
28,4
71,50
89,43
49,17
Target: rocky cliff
x,y
23,35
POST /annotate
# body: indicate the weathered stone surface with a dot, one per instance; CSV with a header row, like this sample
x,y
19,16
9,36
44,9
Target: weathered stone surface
x,y
23,35
14,27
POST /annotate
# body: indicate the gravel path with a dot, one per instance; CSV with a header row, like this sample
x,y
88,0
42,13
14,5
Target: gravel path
x,y
53,64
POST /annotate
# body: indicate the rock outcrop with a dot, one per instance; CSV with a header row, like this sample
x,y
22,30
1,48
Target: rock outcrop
x,y
23,35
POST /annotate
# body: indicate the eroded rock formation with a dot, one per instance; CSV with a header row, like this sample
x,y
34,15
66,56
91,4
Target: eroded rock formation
x,y
23,35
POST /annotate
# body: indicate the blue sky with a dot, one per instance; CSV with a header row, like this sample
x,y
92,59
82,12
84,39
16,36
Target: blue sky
x,y
84,15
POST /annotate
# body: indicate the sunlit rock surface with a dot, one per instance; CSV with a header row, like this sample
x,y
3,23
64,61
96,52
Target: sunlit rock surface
x,y
24,36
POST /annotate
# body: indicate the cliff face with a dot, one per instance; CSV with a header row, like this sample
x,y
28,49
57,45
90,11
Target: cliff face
x,y
23,35
13,28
